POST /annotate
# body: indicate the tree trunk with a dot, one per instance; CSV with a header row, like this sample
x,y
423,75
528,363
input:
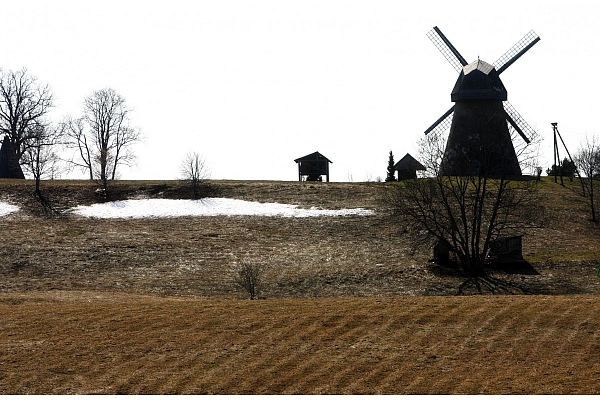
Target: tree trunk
x,y
592,198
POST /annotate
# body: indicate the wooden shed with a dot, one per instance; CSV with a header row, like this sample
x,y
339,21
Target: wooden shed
x,y
9,164
313,167
507,248
441,252
407,167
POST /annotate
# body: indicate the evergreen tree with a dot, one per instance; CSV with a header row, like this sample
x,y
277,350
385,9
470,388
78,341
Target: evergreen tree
x,y
566,168
391,172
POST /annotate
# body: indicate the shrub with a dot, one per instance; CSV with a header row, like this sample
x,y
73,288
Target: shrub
x,y
249,278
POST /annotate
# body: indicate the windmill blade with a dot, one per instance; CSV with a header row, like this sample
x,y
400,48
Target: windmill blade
x,y
508,58
442,124
445,47
517,122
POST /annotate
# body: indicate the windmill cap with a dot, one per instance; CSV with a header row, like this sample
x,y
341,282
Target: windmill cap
x,y
478,81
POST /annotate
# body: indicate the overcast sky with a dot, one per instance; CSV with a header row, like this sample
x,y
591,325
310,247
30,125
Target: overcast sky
x,y
253,85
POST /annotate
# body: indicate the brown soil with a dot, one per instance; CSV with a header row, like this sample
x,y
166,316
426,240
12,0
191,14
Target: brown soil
x,y
150,305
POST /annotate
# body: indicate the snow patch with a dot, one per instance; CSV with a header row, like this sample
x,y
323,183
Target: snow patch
x,y
6,209
145,208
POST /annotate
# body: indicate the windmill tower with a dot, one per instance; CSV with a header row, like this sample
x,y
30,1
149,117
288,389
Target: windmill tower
x,y
481,121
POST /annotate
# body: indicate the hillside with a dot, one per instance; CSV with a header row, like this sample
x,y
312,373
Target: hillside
x,y
150,306
305,257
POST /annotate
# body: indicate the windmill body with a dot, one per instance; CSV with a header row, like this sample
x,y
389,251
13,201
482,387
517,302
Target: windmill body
x,y
479,141
481,122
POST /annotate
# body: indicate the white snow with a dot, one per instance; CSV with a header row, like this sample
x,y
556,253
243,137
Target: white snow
x,y
206,207
6,209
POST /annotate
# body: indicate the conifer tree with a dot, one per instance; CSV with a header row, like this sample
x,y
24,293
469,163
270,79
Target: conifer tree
x,y
391,172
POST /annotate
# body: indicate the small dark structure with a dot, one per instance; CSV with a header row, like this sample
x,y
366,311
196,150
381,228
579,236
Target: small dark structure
x,y
507,249
407,167
441,252
9,164
482,122
313,167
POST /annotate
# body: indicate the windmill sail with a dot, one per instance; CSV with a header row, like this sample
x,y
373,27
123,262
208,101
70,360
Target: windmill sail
x,y
518,123
513,54
442,125
447,49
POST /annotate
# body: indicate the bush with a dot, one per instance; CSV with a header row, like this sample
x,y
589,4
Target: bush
x,y
249,277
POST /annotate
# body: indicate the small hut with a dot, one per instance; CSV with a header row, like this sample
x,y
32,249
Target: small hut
x,y
9,164
507,248
407,167
313,167
441,252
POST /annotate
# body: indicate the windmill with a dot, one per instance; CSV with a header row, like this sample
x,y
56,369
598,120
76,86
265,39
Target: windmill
x,y
481,121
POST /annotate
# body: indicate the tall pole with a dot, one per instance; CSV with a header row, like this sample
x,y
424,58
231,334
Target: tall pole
x,y
556,155
557,133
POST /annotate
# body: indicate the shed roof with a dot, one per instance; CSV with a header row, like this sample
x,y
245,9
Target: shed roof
x,y
408,162
316,156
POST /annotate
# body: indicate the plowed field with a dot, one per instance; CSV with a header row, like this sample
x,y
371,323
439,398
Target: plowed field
x,y
78,342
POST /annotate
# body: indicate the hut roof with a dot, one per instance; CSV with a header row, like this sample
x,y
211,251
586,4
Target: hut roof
x,y
316,156
409,163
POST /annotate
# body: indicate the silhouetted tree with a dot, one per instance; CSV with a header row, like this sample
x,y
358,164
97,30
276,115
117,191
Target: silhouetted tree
x,y
194,171
466,212
103,135
565,168
24,104
588,162
41,158
391,172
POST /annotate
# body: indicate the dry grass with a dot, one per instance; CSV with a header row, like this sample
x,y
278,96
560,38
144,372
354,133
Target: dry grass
x,y
151,306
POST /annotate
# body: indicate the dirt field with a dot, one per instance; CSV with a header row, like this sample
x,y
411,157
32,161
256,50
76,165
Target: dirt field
x,y
150,305
97,342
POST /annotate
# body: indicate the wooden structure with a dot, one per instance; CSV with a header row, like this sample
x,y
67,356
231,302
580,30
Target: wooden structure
x,y
313,167
9,164
507,248
441,252
407,167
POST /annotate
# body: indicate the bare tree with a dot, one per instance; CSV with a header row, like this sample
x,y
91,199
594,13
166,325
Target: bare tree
x,y
195,171
41,158
465,212
587,160
528,154
24,103
103,136
77,138
250,278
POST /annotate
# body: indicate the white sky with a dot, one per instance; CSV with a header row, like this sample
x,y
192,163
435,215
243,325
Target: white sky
x,y
253,85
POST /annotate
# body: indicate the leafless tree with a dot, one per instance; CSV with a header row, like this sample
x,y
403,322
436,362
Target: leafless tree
x,y
465,212
103,135
528,154
24,102
250,278
195,171
41,158
587,160
77,138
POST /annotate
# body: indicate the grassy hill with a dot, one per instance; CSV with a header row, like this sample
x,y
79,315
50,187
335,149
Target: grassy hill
x,y
150,305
